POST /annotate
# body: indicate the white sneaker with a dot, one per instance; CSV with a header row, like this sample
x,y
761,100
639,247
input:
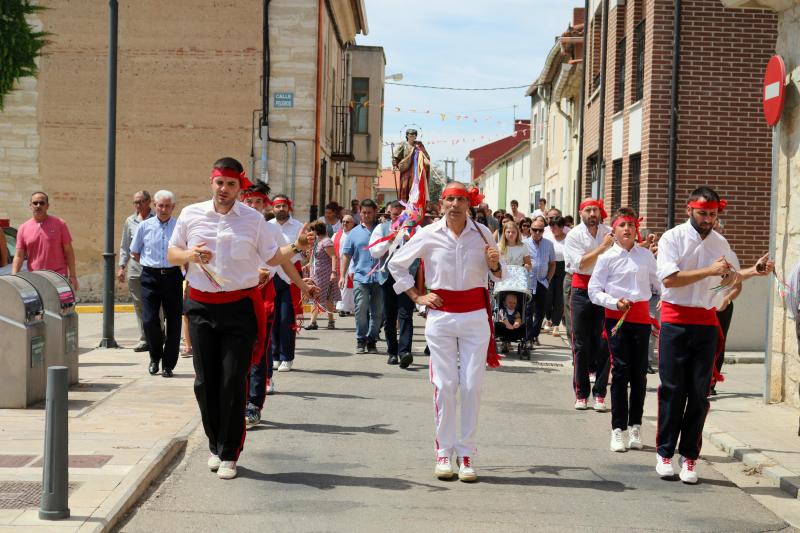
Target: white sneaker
x,y
600,404
688,473
443,470
466,472
285,366
213,462
581,405
635,437
617,441
592,377
664,466
227,470
271,387
276,365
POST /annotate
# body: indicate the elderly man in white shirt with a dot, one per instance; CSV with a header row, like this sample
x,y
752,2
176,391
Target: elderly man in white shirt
x,y
582,246
287,297
696,267
459,256
621,283
224,242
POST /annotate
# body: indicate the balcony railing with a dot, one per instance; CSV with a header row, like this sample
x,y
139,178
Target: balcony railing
x,y
341,134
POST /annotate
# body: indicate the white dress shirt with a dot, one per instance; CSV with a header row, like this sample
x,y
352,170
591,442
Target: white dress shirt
x,y
290,230
580,242
451,263
681,248
557,245
240,240
619,273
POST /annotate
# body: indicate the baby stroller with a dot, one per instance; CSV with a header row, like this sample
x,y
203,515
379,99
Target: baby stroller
x,y
511,297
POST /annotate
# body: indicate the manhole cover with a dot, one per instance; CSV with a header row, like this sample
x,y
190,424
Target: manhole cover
x,y
23,494
544,363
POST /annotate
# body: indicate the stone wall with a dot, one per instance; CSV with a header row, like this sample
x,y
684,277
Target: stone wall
x,y
784,383
19,147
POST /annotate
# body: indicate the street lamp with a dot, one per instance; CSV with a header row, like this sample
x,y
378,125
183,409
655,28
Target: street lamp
x,y
394,77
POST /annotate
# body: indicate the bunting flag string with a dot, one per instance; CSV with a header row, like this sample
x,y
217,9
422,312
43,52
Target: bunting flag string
x,y
466,116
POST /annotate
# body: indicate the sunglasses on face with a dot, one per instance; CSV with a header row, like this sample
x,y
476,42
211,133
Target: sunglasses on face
x,y
537,230
38,203
526,225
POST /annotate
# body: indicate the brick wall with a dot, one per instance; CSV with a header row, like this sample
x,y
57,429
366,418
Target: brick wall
x,y
722,138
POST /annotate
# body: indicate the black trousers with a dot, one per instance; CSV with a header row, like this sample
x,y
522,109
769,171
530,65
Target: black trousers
x,y
162,288
725,323
260,372
554,308
283,329
568,305
685,360
223,336
535,313
629,350
397,308
589,349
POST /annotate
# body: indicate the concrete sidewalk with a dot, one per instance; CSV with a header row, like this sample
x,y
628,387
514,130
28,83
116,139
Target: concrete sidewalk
x,y
125,427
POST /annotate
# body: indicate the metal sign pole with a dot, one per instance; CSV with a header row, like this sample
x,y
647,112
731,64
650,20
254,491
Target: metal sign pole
x,y
773,226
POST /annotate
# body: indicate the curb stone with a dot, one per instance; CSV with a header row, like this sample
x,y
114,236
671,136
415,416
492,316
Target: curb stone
x,y
787,480
131,489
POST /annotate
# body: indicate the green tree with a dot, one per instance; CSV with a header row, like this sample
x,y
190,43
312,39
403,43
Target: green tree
x,y
20,44
434,185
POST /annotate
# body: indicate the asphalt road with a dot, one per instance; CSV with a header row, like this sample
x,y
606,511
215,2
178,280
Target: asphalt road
x,y
346,445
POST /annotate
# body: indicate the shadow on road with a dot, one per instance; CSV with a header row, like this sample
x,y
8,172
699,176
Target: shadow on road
x,y
314,395
317,352
377,429
332,481
340,373
563,483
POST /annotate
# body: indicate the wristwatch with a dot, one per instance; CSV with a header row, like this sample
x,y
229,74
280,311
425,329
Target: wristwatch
x,y
295,249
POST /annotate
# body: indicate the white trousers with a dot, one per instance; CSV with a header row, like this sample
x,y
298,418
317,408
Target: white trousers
x,y
347,304
458,344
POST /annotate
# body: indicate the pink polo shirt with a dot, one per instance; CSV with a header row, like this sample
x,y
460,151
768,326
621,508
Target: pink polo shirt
x,y
44,243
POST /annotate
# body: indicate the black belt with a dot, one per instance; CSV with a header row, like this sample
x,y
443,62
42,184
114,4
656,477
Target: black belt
x,y
161,271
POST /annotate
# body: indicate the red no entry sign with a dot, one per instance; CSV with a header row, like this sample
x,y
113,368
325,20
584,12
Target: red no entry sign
x,y
774,90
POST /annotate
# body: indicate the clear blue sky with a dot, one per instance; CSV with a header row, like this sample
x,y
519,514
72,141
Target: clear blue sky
x,y
461,43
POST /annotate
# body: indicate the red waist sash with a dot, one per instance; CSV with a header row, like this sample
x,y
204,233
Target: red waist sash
x,y
297,298
254,294
639,313
697,316
465,302
580,281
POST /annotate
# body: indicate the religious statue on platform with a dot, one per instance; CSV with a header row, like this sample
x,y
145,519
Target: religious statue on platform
x,y
403,161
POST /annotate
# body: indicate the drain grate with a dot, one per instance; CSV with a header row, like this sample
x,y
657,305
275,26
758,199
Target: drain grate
x,y
24,494
546,364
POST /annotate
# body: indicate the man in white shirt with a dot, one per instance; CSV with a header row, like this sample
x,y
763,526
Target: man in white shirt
x,y
582,246
459,256
696,267
224,242
621,283
541,210
288,303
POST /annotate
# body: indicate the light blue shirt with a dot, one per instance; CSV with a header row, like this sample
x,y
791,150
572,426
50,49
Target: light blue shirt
x,y
151,241
541,256
362,263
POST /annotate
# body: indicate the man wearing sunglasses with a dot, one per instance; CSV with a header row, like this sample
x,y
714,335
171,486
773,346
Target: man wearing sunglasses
x,y
46,242
543,267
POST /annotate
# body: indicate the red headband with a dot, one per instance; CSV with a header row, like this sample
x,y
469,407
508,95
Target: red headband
x,y
591,202
282,201
244,183
256,194
631,220
707,204
473,195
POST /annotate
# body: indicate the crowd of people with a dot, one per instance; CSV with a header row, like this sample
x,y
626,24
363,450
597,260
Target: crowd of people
x,y
235,271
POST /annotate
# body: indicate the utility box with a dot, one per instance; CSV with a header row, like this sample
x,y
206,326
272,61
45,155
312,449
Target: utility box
x,y
60,319
22,344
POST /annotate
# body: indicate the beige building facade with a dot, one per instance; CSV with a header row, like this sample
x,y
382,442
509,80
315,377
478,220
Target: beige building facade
x,y
783,361
188,94
555,121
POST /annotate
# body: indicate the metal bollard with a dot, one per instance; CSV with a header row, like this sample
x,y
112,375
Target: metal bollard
x,y
55,476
